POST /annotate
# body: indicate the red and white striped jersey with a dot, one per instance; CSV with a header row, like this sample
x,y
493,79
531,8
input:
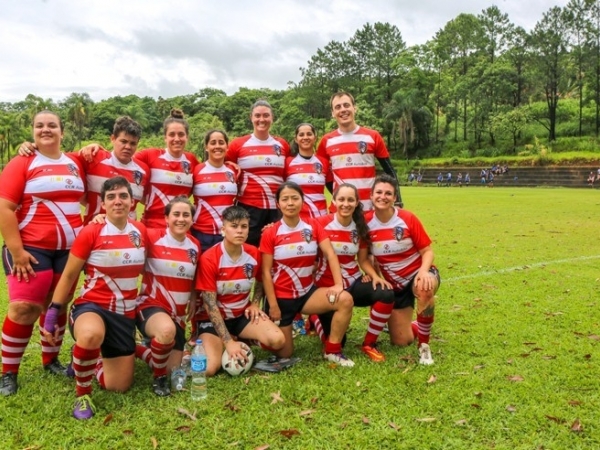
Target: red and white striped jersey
x,y
310,175
114,261
346,243
169,177
294,253
105,166
396,246
262,164
48,192
231,280
169,275
352,159
215,188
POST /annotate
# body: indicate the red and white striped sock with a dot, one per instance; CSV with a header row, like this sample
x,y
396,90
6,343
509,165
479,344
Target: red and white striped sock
x,y
314,319
49,352
144,353
15,338
379,315
160,356
100,373
84,365
424,323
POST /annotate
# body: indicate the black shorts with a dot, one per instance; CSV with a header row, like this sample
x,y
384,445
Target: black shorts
x,y
234,326
406,298
119,337
206,240
54,260
142,317
259,217
289,307
364,294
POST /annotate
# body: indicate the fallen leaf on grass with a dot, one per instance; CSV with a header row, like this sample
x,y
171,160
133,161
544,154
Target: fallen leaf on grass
x,y
511,409
343,425
234,444
127,432
509,361
333,366
185,412
366,420
588,356
306,412
548,357
426,419
296,402
536,349
406,370
263,447
107,419
475,405
515,378
554,419
477,394
357,383
576,426
461,422
289,433
394,426
154,442
183,429
432,379
575,402
276,396
529,343
595,337
232,406
314,400
478,367
33,447
246,381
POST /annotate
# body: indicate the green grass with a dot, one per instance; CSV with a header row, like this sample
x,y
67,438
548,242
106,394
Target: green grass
x,y
515,345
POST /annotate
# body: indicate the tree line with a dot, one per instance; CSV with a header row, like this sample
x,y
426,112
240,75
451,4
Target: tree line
x,y
480,86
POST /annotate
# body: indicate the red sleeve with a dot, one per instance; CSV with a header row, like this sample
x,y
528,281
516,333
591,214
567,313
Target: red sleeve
x,y
325,163
285,147
237,171
318,231
322,153
85,241
381,150
206,280
145,155
12,179
286,172
192,159
417,231
267,241
233,150
253,251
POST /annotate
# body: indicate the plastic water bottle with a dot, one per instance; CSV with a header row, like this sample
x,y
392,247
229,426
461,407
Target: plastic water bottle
x,y
198,366
178,377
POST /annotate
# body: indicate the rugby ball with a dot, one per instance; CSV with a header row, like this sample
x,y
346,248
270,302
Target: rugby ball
x,y
234,367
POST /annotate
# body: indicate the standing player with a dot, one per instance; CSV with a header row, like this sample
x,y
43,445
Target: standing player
x,y
308,171
262,160
103,316
39,219
402,248
352,150
167,287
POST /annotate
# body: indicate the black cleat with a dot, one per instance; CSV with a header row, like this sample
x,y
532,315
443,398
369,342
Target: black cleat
x,y
160,386
56,368
8,384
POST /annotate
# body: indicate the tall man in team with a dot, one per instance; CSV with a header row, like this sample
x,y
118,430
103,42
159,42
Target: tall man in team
x,y
352,150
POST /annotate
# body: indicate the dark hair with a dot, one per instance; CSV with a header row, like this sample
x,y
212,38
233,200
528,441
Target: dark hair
x,y
114,183
294,146
47,111
385,178
180,199
358,216
210,132
341,94
176,116
127,125
235,214
260,102
291,185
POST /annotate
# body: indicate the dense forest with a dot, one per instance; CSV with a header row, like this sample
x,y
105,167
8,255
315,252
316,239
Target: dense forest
x,y
480,87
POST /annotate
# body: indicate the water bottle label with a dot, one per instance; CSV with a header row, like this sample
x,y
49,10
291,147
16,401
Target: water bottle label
x,y
199,364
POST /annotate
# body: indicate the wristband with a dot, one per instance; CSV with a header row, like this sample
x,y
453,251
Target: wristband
x,y
54,306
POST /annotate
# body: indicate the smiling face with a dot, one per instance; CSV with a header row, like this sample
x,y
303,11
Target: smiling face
x,y
262,119
290,202
180,219
343,111
383,196
345,201
47,133
305,138
176,138
216,147
117,203
124,146
235,232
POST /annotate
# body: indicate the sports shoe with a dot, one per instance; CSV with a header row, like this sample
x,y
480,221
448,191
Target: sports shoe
x,y
339,358
160,386
425,355
84,408
274,364
55,367
8,384
373,352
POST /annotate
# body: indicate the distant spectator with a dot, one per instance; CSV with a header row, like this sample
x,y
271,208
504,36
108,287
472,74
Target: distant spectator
x,y
490,179
449,179
467,179
591,178
419,178
484,173
411,177
459,179
440,178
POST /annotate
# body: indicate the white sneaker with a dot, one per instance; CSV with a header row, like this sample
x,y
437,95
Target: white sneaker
x,y
339,358
425,355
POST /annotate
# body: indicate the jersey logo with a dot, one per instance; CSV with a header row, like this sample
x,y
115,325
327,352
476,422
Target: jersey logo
x,y
354,236
306,235
362,147
135,238
137,177
185,165
248,270
72,168
277,149
229,177
318,168
193,255
398,233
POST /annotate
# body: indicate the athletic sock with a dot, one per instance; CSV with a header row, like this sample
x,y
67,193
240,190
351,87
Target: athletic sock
x,y
160,356
84,365
379,315
99,370
144,353
415,329
15,338
314,319
333,348
424,327
49,352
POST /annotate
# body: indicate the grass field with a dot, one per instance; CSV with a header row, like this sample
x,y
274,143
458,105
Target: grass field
x,y
515,345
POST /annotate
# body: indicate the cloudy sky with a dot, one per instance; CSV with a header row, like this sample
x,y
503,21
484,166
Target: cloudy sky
x,y
51,48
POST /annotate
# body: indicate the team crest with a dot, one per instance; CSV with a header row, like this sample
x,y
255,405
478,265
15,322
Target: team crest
x,y
362,147
187,168
318,168
135,238
354,236
248,270
193,255
229,177
277,149
72,168
398,233
137,177
306,235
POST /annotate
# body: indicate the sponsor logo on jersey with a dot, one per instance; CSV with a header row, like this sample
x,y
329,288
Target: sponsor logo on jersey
x,y
72,168
277,149
306,235
354,236
187,168
193,255
362,147
135,238
318,168
398,233
229,177
137,177
248,270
